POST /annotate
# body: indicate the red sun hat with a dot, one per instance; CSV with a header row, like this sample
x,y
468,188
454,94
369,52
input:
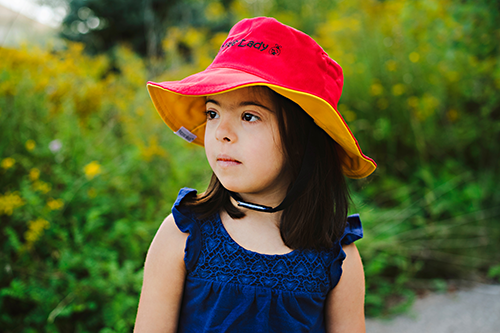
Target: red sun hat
x,y
264,52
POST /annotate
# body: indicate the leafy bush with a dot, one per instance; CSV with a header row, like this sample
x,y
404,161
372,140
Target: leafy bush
x,y
420,94
84,187
88,170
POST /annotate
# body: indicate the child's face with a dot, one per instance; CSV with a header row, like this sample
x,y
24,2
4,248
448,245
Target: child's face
x,y
242,142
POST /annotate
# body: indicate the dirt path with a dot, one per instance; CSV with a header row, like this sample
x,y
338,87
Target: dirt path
x,y
476,310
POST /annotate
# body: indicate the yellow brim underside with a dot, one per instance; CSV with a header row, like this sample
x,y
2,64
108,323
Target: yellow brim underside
x,y
187,111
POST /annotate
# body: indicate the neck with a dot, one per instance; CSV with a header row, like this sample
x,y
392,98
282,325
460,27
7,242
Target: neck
x,y
265,199
251,214
269,200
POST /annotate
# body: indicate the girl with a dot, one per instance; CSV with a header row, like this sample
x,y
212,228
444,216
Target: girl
x,y
268,247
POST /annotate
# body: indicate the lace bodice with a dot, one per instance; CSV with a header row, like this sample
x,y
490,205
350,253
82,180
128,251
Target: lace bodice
x,y
223,260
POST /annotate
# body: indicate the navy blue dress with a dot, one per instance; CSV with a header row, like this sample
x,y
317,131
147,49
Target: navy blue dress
x,y
231,289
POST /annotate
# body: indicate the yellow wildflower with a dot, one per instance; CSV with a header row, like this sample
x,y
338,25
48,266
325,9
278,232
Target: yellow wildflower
x,y
342,108
34,174
391,65
349,115
354,24
193,37
214,11
30,145
153,149
376,89
55,204
346,113
428,105
453,76
430,102
398,89
9,202
140,111
41,186
217,40
92,169
8,162
414,57
413,101
35,231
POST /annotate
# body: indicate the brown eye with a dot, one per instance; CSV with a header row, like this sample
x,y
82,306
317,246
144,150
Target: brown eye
x,y
249,117
211,114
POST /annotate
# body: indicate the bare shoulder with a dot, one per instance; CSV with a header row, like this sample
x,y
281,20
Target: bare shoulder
x,y
163,284
168,237
345,302
167,249
168,245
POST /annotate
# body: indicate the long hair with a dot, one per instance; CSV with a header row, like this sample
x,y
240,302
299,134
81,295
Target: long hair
x,y
318,216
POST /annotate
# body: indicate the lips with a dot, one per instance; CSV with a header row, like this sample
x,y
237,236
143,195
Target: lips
x,y
226,160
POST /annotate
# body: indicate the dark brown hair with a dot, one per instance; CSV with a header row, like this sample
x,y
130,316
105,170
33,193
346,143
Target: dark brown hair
x,y
318,216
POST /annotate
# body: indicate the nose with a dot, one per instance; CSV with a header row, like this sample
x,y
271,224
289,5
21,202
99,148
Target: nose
x,y
225,131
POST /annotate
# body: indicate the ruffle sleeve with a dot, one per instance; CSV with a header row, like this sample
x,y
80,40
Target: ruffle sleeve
x,y
187,223
352,233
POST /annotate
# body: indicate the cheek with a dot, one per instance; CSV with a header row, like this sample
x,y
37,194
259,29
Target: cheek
x,y
209,152
276,145
269,152
207,136
208,145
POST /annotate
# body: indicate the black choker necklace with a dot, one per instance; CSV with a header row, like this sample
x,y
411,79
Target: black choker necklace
x,y
252,206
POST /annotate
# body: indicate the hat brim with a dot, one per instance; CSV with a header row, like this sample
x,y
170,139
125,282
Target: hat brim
x,y
182,104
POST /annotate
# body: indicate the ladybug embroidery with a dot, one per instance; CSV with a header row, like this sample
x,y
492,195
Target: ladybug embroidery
x,y
275,50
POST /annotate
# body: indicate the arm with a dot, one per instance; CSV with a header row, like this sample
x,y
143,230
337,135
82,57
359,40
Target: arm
x,y
344,310
164,273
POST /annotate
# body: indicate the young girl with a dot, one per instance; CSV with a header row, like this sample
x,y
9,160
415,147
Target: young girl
x,y
268,247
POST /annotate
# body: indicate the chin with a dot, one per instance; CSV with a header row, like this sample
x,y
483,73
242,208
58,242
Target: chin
x,y
236,186
232,187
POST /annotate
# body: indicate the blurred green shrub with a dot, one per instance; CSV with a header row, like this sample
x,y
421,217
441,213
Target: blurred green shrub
x,y
85,181
421,94
88,170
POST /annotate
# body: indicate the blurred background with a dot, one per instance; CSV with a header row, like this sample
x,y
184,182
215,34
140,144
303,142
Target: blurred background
x,y
88,170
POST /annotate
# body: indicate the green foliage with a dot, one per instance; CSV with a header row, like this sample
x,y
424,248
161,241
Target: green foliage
x,y
421,97
83,188
102,25
88,170
494,272
415,243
